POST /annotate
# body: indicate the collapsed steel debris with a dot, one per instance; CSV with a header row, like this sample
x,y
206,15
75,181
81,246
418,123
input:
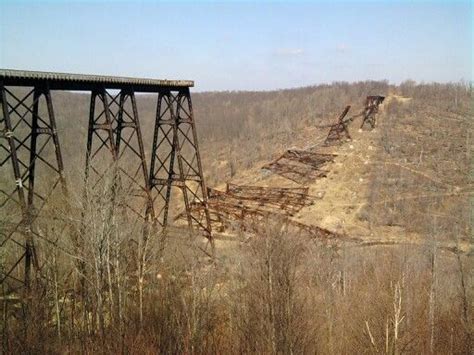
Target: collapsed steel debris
x,y
300,166
339,131
372,104
305,166
240,201
287,200
248,207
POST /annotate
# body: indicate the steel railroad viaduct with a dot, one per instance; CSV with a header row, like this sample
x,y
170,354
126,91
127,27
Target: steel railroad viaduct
x,y
113,137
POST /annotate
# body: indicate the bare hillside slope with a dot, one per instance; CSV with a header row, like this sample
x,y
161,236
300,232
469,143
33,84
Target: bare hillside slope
x,y
399,183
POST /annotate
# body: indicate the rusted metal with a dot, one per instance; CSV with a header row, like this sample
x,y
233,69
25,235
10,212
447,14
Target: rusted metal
x,y
375,100
68,81
286,200
239,202
299,173
314,159
28,137
176,161
339,130
130,152
227,212
115,149
371,109
114,144
100,138
300,166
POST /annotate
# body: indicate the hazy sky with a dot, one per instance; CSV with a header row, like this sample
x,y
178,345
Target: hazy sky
x,y
242,45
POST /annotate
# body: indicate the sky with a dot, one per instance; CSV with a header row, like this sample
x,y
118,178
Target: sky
x,y
242,45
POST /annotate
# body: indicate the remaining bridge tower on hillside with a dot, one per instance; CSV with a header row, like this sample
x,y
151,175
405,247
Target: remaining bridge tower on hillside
x,y
32,163
372,104
339,131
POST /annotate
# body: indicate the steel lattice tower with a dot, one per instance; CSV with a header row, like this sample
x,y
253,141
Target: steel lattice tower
x,y
32,168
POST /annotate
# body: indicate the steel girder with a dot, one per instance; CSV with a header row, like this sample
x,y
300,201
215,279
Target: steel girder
x,y
30,145
32,166
339,130
372,104
176,161
115,148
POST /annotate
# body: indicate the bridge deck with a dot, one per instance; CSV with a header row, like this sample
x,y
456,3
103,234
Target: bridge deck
x,y
65,81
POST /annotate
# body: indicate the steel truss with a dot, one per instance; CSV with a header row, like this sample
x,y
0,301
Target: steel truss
x,y
300,166
30,145
372,104
115,147
176,163
32,163
233,209
287,200
339,131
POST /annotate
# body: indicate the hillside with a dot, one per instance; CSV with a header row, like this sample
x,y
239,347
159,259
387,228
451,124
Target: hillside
x,y
386,185
363,246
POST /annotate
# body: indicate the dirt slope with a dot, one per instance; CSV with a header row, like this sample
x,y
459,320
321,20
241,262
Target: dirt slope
x,y
341,196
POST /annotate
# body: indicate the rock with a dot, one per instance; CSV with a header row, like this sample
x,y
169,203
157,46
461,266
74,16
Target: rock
x,y
320,194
